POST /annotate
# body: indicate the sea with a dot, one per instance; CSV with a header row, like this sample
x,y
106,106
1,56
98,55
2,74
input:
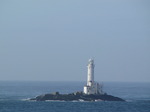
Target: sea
x,y
14,97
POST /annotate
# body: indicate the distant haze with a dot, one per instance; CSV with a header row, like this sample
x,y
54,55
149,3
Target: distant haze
x,y
52,40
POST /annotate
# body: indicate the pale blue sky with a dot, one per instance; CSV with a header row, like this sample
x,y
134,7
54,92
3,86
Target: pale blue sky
x,y
53,39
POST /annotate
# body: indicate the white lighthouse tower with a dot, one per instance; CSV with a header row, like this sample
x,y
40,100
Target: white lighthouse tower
x,y
92,87
90,73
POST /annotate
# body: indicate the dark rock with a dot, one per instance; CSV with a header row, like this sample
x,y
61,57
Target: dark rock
x,y
78,96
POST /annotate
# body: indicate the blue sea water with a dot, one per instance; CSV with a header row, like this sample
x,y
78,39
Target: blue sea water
x,y
13,95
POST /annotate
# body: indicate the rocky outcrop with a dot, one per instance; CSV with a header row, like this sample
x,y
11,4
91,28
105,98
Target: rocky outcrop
x,y
78,96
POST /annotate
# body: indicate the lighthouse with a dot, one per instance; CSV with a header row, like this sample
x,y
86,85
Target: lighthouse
x,y
90,73
91,87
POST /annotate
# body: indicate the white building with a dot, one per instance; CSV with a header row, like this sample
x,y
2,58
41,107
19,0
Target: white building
x,y
92,87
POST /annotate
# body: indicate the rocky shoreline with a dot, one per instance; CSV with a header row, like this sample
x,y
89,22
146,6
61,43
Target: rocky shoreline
x,y
77,96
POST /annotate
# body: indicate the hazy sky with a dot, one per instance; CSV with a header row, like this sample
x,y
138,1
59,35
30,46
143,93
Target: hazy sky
x,y
53,39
